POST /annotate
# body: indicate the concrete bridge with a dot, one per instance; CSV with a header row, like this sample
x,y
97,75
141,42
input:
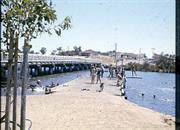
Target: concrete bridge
x,y
50,64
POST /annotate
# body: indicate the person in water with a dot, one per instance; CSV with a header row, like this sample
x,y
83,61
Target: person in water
x,y
133,70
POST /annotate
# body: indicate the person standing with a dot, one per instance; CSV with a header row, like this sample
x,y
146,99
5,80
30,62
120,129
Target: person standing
x,y
102,71
133,70
119,80
91,69
98,75
93,74
110,71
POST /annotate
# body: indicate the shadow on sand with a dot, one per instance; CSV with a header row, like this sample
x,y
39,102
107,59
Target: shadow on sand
x,y
88,83
117,95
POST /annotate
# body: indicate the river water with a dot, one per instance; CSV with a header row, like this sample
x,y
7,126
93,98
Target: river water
x,y
162,85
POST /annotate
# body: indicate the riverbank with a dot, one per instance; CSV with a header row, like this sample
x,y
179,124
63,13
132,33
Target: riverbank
x,y
71,108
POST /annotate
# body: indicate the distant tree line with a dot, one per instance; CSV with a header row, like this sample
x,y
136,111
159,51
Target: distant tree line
x,y
161,63
59,51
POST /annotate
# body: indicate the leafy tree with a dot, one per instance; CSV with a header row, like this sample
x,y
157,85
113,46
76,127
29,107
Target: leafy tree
x,y
165,62
77,50
43,50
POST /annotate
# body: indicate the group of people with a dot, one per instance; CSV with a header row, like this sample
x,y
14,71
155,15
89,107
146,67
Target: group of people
x,y
96,72
114,71
119,73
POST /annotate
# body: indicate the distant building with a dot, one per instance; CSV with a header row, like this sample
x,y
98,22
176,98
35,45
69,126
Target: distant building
x,y
125,58
89,53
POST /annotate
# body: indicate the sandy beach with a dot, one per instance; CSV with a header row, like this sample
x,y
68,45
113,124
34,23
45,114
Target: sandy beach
x,y
70,108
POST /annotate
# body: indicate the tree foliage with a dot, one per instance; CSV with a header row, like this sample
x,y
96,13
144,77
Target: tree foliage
x,y
29,18
161,63
43,50
77,50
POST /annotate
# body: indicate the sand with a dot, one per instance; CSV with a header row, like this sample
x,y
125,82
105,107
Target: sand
x,y
70,108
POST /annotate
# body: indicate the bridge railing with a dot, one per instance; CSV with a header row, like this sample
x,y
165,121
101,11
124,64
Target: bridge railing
x,y
50,58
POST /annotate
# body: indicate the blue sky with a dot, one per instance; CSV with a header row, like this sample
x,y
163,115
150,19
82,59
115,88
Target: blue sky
x,y
99,24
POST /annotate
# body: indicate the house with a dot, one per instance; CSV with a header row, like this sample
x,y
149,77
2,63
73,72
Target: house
x,y
89,52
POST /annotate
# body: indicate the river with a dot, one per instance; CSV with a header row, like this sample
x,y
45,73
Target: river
x,y
162,85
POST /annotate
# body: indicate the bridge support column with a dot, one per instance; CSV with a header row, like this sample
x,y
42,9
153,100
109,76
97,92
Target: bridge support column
x,y
76,68
86,66
63,68
43,70
38,70
69,68
46,70
51,69
82,66
30,71
73,67
58,69
79,67
55,69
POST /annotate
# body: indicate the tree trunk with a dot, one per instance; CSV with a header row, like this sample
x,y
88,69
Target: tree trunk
x,y
24,84
15,78
9,82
